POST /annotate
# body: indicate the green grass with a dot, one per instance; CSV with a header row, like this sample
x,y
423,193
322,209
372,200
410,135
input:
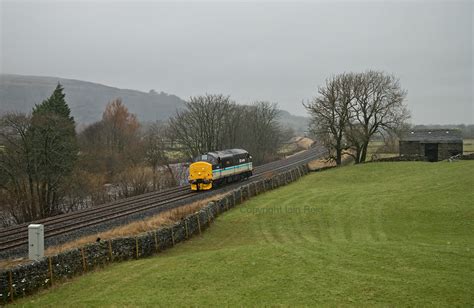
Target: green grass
x,y
468,146
374,150
393,234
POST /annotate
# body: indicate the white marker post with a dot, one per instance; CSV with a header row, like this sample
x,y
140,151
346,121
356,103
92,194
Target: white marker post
x,y
35,241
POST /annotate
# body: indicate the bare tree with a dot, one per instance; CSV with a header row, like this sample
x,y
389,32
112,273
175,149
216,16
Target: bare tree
x,y
16,168
352,108
235,121
112,144
214,122
330,113
261,133
354,133
120,126
200,127
378,108
155,151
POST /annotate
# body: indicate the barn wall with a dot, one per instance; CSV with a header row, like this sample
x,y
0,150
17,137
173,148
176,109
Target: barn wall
x,y
446,150
411,148
415,148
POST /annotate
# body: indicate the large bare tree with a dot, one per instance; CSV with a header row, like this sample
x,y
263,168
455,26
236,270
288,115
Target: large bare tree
x,y
378,108
202,125
330,113
16,168
112,144
260,131
214,122
352,108
120,126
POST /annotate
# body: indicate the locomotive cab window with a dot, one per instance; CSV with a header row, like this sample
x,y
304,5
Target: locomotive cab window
x,y
207,158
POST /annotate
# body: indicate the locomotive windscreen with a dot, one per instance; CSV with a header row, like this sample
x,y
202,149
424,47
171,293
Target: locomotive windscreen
x,y
205,157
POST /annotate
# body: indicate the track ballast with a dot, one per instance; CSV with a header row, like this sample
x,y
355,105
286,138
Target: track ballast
x,y
65,227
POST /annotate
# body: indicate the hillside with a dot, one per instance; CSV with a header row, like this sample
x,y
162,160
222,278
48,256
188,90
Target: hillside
x,y
298,123
87,100
383,234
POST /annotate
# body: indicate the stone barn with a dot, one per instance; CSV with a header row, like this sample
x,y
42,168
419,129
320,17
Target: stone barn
x,y
433,144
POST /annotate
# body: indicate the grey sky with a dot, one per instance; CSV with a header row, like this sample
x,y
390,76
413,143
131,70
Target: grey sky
x,y
277,51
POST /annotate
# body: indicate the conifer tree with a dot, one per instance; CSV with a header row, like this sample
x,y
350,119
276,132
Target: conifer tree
x,y
55,104
39,154
55,149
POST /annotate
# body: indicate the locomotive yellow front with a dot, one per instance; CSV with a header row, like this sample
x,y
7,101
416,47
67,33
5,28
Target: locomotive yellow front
x,y
200,175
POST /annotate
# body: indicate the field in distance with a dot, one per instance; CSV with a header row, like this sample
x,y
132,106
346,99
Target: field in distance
x,y
393,234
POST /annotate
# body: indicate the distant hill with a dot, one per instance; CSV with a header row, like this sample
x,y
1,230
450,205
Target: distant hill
x,y
298,123
87,100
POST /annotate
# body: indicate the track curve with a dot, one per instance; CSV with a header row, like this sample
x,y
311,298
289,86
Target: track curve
x,y
14,240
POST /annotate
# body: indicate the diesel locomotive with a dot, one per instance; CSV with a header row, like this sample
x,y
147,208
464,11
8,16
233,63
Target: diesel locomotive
x,y
219,167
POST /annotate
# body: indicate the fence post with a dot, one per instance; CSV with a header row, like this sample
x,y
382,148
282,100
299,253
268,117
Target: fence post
x,y
172,235
186,226
111,257
84,265
10,281
199,222
157,247
50,270
136,246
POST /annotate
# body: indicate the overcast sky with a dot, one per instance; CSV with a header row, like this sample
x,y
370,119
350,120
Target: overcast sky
x,y
276,51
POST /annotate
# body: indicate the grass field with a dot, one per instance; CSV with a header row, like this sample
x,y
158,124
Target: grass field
x,y
393,234
468,146
375,151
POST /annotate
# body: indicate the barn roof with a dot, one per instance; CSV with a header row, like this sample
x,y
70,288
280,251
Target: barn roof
x,y
433,136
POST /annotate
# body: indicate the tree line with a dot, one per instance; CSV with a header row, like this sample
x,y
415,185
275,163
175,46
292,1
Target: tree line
x,y
214,122
47,168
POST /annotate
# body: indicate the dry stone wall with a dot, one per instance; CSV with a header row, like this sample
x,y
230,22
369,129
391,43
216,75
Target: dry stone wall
x,y
28,278
400,158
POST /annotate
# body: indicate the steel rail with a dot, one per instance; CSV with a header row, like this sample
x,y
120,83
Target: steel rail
x,y
62,224
6,232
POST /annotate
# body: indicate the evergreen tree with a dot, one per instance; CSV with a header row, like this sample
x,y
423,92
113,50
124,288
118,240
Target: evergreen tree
x,y
56,104
55,149
38,154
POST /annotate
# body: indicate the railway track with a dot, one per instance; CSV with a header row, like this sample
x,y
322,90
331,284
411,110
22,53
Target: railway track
x,y
17,236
